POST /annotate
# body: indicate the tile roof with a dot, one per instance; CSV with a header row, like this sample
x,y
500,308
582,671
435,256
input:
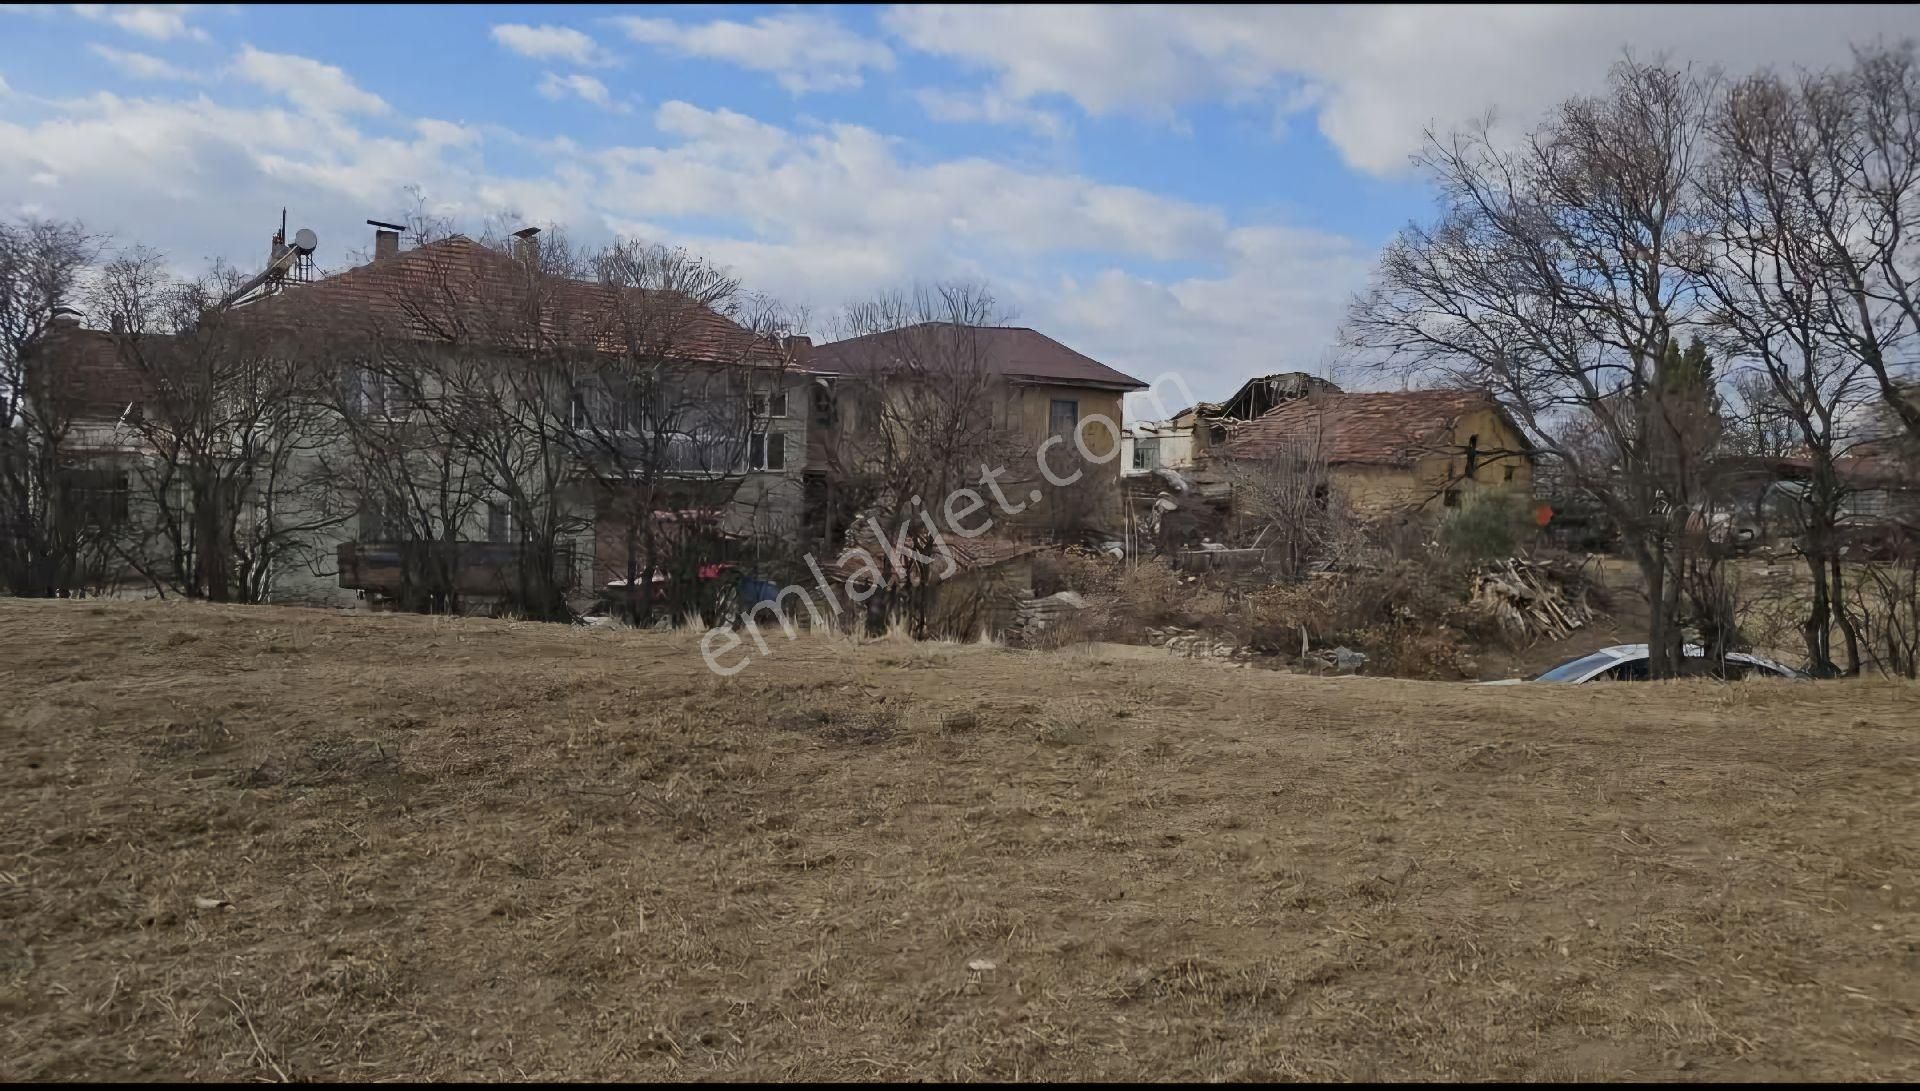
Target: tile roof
x,y
969,554
457,289
89,379
1393,429
1016,352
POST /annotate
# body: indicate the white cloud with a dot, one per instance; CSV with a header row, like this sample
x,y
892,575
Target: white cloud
x,y
813,216
579,86
804,51
313,86
550,43
160,22
989,106
1275,304
847,181
139,65
1375,75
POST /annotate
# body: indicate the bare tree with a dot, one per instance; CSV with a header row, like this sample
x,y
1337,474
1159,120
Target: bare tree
x,y
680,397
924,417
1560,276
1784,293
51,531
228,427
1286,501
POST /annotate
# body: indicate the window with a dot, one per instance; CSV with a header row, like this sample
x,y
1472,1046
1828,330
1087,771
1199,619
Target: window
x,y
1146,454
1217,434
767,451
97,496
770,406
1063,415
597,408
382,520
499,521
378,394
1451,498
1473,455
822,406
1508,474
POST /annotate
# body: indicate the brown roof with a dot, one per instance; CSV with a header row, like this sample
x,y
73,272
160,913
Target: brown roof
x,y
461,290
89,378
1393,429
969,554
1015,352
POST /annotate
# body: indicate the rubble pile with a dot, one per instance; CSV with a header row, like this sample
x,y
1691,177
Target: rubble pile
x,y
1197,645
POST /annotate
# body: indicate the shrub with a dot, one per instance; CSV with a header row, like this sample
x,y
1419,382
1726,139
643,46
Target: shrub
x,y
1487,527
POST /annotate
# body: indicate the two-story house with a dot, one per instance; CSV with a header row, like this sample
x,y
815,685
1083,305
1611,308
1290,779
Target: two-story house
x,y
942,383
475,407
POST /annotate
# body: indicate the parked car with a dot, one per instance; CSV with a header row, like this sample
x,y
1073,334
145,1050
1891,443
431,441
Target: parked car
x,y
1628,663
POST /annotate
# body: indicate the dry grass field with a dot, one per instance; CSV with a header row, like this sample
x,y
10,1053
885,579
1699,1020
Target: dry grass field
x,y
246,843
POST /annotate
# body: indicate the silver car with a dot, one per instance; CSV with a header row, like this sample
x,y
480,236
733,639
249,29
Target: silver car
x,y
1628,663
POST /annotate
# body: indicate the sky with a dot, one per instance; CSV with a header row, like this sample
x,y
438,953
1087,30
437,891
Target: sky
x,y
1192,191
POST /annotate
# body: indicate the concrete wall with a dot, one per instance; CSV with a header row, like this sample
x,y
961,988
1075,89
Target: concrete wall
x,y
1176,451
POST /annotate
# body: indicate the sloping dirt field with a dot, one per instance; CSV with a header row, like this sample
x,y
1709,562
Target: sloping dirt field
x,y
244,843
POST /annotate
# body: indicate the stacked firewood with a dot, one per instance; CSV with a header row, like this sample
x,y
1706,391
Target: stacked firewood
x,y
1532,600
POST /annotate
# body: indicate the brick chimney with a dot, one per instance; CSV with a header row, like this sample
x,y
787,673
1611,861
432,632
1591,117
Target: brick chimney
x,y
526,246
386,239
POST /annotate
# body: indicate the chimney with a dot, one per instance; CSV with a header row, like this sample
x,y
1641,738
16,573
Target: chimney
x,y
527,246
386,239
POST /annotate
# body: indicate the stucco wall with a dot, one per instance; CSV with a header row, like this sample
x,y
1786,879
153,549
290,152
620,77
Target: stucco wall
x,y
1375,489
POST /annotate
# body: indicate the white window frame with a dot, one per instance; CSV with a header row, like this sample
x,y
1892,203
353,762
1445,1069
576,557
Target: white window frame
x,y
769,405
758,446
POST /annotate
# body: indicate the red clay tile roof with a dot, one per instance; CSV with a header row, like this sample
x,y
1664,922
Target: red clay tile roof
x,y
1013,351
1392,429
457,289
969,554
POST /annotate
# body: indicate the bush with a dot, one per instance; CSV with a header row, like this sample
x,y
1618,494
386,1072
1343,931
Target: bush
x,y
1075,569
1487,527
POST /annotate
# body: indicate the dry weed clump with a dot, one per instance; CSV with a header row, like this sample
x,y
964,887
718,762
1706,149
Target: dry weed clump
x,y
1409,617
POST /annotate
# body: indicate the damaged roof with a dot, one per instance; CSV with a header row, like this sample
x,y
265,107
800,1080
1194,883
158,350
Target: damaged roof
x,y
1388,429
1015,352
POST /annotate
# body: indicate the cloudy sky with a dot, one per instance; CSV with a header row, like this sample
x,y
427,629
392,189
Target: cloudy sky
x,y
1181,190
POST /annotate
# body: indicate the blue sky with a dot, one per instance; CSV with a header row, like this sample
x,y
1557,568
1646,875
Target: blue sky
x,y
1195,191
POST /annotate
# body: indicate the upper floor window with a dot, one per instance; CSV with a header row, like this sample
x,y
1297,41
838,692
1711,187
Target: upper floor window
x,y
1063,416
770,406
378,394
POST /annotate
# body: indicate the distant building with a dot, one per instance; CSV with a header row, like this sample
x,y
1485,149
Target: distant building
x,y
1402,450
1182,440
1043,389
